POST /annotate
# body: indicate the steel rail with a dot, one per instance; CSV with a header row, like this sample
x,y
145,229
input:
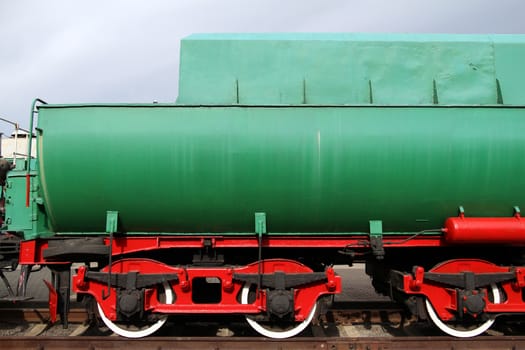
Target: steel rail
x,y
94,343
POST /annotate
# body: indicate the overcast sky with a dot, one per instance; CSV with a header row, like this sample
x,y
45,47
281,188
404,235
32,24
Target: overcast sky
x,y
128,51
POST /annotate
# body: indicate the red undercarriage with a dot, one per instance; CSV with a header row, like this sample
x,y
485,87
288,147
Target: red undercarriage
x,y
31,251
304,296
447,299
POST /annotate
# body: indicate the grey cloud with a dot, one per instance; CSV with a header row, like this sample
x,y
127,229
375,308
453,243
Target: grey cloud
x,y
118,51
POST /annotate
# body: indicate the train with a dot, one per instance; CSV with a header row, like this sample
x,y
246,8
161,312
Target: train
x,y
283,156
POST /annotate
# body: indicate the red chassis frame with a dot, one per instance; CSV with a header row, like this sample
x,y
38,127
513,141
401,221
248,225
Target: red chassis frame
x,y
441,297
31,252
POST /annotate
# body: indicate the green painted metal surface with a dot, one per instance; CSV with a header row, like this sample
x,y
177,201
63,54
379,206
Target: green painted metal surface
x,y
19,217
381,69
376,228
310,169
29,221
111,221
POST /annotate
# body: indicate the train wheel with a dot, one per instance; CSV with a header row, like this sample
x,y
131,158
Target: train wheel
x,y
141,328
272,329
464,328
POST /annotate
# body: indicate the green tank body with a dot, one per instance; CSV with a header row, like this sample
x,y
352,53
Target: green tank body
x,y
322,169
322,132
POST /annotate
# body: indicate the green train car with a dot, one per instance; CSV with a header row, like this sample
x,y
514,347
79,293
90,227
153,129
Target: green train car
x,y
284,155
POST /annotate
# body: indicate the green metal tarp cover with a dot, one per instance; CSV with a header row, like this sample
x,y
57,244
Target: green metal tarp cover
x,y
326,69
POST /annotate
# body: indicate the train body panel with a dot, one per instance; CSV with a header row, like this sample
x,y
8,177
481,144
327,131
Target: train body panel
x,y
323,169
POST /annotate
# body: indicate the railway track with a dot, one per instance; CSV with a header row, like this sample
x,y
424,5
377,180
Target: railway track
x,y
165,343
342,312
349,326
345,314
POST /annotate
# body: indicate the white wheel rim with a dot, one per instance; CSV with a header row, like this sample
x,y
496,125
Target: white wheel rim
x,y
276,334
143,332
460,333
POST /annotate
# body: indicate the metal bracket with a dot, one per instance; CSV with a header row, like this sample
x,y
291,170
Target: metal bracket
x,y
208,255
131,280
469,280
376,239
53,302
260,229
111,221
111,227
61,280
281,280
260,223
